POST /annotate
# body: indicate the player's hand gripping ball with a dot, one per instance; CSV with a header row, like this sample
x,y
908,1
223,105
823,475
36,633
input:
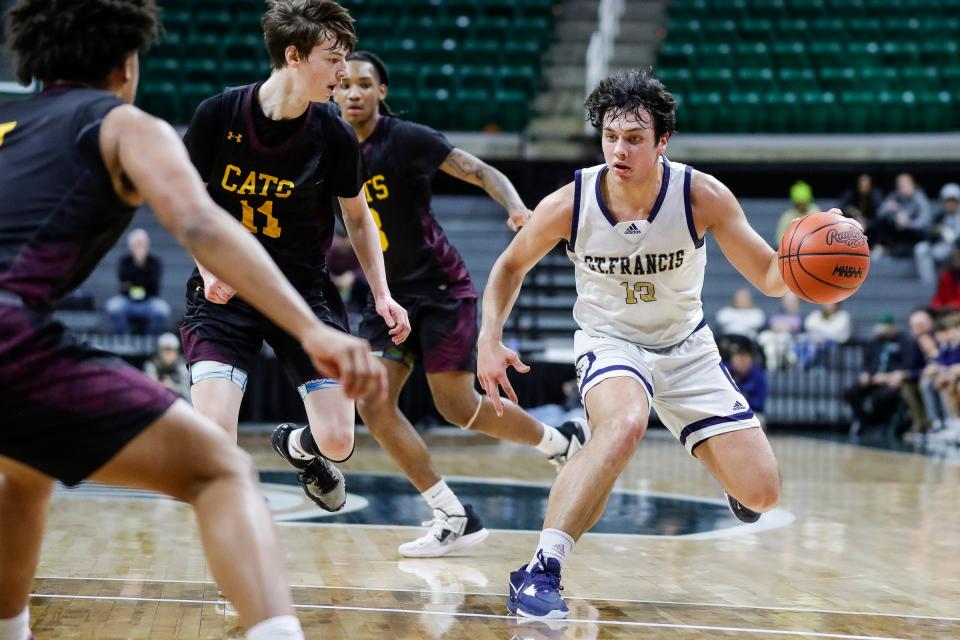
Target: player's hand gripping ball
x,y
824,257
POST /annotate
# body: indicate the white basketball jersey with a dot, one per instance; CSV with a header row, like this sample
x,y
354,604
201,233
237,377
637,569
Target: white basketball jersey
x,y
637,280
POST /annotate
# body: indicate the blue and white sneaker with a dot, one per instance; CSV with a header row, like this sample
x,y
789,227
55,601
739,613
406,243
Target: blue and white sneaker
x,y
536,594
577,431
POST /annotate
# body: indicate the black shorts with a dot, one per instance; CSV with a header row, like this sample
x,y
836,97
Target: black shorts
x,y
234,333
67,408
443,333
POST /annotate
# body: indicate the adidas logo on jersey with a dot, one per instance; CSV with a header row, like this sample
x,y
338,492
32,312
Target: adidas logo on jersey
x,y
632,230
738,406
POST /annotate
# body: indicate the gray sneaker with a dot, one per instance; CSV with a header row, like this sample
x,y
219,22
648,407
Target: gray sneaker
x,y
324,484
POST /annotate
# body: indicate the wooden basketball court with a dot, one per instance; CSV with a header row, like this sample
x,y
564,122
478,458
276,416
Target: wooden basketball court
x,y
866,545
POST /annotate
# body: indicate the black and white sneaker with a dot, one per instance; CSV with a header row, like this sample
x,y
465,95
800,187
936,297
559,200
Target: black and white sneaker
x,y
740,512
324,484
322,481
577,431
447,533
280,439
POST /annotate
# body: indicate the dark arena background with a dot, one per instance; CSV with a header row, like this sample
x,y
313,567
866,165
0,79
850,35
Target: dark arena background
x,y
796,105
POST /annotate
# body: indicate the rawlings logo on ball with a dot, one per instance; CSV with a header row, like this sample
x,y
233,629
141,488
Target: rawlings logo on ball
x,y
852,239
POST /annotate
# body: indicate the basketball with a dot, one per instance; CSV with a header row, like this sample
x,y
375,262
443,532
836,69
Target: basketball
x,y
824,257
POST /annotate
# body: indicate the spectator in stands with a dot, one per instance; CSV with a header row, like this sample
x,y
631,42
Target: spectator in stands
x,y
778,339
345,272
875,397
138,304
751,378
933,251
801,195
862,201
741,319
826,327
902,221
947,295
947,382
914,362
168,367
939,353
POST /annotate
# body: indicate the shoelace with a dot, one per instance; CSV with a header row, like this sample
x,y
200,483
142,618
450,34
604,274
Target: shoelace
x,y
318,473
545,577
438,526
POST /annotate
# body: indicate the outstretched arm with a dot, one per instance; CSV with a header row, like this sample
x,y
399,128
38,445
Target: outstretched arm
x,y
716,210
365,238
469,168
549,225
146,159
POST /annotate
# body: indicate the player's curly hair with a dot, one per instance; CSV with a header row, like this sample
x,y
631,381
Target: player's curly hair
x,y
78,40
633,92
305,24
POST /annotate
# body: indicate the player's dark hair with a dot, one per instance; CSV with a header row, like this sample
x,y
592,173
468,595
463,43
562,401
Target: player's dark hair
x,y
305,24
633,92
383,76
78,40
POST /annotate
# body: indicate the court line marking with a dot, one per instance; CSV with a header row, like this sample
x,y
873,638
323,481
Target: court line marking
x,y
504,595
458,614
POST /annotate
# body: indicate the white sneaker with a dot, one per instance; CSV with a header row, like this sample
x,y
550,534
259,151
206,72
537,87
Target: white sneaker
x,y
446,534
577,431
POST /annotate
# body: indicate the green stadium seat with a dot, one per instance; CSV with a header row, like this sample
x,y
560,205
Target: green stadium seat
x,y
838,78
241,72
710,80
676,80
526,50
685,30
884,8
433,107
719,30
892,112
433,78
846,8
950,76
935,110
879,78
902,28
706,112
673,55
793,29
715,54
797,79
939,52
476,79
768,9
780,111
864,54
478,51
865,29
512,112
160,70
790,54
828,31
746,112
809,9
733,9
750,79
757,30
826,53
901,53
860,110
404,76
818,112
752,54
191,95
522,78
920,78
159,99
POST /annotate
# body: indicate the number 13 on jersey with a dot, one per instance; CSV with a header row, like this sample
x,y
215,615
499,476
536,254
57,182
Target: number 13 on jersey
x,y
639,290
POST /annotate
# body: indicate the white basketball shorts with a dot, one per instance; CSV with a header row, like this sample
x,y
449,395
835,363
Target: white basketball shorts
x,y
687,383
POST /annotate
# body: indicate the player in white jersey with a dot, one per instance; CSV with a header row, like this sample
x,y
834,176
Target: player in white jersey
x,y
635,229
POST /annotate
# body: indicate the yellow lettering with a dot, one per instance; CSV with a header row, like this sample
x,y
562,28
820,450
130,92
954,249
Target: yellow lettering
x,y
249,184
280,189
384,243
5,128
643,290
226,175
247,219
380,186
267,179
272,228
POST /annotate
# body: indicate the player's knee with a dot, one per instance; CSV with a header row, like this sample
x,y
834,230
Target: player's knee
x,y
229,465
761,497
336,445
457,410
627,430
374,411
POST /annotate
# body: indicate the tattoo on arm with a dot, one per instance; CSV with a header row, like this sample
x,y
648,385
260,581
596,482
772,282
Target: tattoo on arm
x,y
469,168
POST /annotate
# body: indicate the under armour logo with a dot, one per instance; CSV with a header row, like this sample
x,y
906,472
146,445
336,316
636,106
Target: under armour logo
x,y
632,230
235,137
738,406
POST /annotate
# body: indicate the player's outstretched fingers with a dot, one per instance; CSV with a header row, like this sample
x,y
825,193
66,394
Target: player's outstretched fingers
x,y
493,392
508,389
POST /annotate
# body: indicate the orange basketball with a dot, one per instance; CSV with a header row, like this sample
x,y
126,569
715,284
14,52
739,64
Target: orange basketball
x,y
824,257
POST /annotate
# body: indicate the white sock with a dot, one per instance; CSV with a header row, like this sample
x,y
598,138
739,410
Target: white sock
x,y
554,544
553,442
293,446
440,496
17,627
279,628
